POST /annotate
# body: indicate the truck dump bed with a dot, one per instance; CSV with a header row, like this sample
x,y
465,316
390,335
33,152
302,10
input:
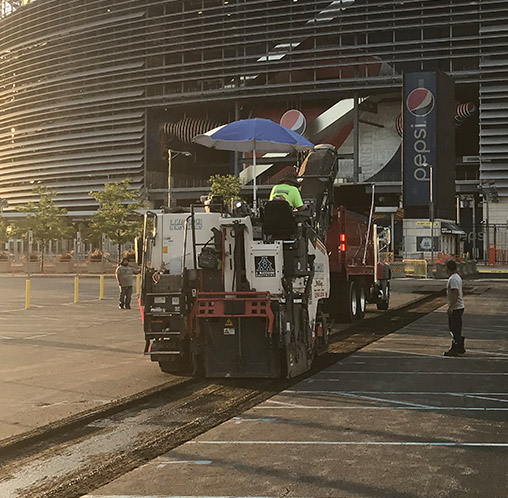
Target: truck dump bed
x,y
349,243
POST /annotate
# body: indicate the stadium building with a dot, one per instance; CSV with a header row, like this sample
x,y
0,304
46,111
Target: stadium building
x,y
93,91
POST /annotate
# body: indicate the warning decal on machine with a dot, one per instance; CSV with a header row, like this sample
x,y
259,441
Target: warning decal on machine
x,y
229,323
265,266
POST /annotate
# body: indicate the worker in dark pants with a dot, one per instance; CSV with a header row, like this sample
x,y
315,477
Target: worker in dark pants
x,y
124,274
455,309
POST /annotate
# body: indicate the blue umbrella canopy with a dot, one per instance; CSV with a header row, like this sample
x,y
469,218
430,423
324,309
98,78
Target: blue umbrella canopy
x,y
254,135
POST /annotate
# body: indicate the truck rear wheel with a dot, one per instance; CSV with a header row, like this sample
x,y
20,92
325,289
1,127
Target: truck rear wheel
x,y
169,367
350,303
384,302
362,300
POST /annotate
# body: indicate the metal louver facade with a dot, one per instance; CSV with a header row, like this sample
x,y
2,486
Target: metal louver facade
x,y
494,95
79,78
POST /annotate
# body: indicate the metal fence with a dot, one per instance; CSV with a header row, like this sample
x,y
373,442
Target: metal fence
x,y
496,239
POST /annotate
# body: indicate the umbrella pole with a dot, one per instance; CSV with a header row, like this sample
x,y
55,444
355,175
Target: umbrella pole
x,y
255,196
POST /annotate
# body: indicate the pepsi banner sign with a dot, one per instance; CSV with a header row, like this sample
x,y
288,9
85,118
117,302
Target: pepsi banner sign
x,y
428,143
419,149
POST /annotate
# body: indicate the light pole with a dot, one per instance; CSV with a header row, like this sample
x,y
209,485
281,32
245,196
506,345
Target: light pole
x,y
171,154
431,215
489,192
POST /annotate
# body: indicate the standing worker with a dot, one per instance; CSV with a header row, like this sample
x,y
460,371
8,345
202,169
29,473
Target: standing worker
x,y
124,275
455,309
288,190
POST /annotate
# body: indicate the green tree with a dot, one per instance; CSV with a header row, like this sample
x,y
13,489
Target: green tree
x,y
3,231
228,186
117,216
44,219
4,236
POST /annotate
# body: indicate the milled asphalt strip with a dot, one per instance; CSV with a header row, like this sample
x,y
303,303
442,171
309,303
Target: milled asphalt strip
x,y
58,432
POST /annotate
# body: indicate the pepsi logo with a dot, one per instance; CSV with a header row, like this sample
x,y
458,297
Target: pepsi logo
x,y
420,102
294,120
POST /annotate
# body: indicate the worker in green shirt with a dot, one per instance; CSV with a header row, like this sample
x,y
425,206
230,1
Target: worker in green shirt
x,y
288,190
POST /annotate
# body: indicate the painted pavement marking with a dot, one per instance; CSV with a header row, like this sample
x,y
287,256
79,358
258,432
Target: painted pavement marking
x,y
356,443
378,372
241,420
172,496
297,391
348,407
162,464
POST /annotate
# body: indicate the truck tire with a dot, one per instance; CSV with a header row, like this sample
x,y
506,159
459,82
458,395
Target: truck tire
x,y
168,367
350,302
361,300
175,366
383,303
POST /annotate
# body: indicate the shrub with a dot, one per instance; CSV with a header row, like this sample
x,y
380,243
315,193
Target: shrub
x,y
130,255
64,257
95,255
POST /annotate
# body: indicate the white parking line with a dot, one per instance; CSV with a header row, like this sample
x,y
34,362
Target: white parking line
x,y
162,464
408,353
406,356
481,397
297,391
355,443
241,420
384,400
377,372
430,408
486,352
172,496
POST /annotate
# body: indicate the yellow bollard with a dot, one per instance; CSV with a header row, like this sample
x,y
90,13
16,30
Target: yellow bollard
x,y
138,284
101,291
27,294
76,289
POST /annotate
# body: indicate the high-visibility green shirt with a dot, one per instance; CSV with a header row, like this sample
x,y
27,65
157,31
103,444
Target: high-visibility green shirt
x,y
288,193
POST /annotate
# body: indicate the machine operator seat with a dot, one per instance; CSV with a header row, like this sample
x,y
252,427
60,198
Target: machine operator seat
x,y
279,221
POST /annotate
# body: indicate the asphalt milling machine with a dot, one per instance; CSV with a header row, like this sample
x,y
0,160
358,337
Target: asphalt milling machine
x,y
226,292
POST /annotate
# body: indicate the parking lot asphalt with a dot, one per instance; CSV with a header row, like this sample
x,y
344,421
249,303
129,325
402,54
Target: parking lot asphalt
x,y
396,419
59,359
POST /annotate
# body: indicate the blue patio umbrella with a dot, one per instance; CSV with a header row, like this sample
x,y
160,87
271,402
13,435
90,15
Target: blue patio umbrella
x,y
254,135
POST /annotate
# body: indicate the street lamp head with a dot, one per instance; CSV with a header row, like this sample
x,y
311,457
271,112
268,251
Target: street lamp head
x,y
175,153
